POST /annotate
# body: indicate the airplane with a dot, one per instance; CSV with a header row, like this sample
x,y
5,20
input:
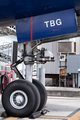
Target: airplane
x,y
37,22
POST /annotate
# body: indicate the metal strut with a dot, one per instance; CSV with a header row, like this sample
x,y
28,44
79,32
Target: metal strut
x,y
13,67
40,56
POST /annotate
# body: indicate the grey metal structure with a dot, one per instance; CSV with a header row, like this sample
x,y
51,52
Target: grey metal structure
x,y
66,46
73,67
73,63
52,67
42,75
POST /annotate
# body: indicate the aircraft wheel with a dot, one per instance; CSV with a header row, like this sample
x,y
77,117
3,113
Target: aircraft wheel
x,y
20,98
43,93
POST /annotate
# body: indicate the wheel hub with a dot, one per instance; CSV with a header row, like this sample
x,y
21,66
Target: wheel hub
x,y
18,99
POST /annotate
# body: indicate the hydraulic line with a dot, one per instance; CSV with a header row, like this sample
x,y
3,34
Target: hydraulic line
x,y
2,76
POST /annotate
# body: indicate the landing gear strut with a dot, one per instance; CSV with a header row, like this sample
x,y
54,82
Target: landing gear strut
x,y
23,98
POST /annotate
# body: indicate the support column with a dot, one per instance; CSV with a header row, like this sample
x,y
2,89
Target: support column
x,y
59,79
29,73
78,78
73,81
65,81
38,66
42,75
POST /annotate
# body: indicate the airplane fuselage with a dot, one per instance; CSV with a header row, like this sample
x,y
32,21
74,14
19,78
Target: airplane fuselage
x,y
16,9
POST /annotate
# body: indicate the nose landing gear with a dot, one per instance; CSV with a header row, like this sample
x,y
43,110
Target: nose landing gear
x,y
23,98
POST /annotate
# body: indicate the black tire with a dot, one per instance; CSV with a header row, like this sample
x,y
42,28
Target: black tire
x,y
43,93
27,88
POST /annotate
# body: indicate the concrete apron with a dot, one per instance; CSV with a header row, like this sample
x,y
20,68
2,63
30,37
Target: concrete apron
x,y
63,91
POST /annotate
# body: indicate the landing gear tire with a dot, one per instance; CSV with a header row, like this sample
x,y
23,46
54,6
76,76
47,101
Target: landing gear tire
x,y
43,93
21,98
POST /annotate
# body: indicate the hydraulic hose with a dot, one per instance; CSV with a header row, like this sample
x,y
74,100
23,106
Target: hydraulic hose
x,y
7,78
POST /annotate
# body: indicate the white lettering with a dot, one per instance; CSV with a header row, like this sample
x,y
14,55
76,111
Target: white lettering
x,y
58,22
46,23
52,23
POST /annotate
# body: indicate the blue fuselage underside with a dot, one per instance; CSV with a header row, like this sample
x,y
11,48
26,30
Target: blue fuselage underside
x,y
16,9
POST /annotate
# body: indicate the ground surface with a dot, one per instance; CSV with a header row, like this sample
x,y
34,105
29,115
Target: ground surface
x,y
60,108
